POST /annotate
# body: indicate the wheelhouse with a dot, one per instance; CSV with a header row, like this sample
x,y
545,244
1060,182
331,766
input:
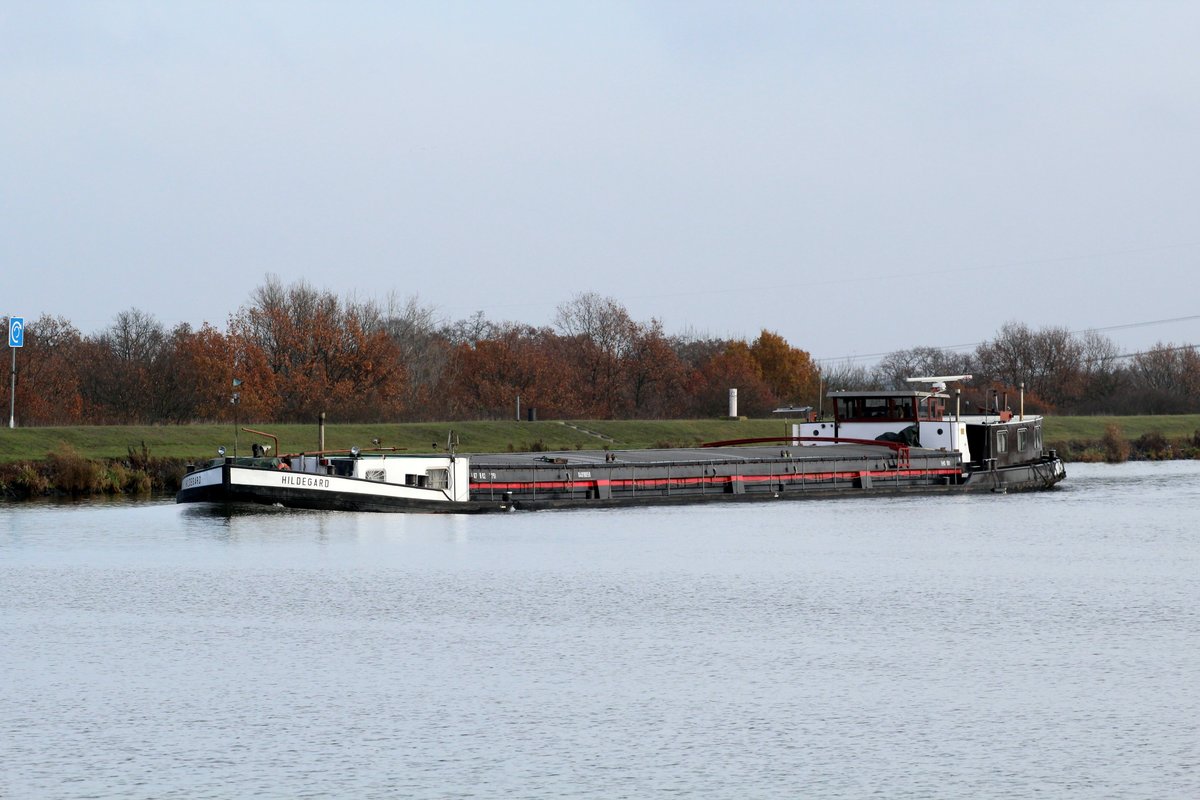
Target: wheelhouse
x,y
907,406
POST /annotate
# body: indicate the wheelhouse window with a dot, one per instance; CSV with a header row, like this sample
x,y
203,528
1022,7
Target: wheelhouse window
x,y
932,408
1022,436
903,408
1037,437
875,407
861,409
1001,442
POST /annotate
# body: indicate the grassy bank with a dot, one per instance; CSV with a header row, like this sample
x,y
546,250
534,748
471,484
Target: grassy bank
x,y
148,459
192,442
135,459
1122,438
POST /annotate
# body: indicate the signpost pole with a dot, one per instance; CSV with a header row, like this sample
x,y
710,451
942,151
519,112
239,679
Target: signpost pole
x,y
16,338
236,399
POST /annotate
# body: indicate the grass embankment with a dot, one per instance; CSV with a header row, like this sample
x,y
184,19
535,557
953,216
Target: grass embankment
x,y
134,459
1119,438
193,442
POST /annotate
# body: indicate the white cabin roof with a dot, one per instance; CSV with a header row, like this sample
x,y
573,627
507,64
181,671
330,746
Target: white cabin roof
x,y
885,393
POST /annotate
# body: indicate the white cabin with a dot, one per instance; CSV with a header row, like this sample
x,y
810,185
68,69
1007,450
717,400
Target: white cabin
x,y
448,476
868,415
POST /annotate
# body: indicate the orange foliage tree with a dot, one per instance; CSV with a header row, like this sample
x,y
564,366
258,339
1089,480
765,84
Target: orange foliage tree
x,y
203,366
323,355
488,376
655,377
47,378
597,336
788,371
734,368
296,351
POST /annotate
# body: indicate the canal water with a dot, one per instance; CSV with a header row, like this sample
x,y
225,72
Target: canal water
x,y
989,646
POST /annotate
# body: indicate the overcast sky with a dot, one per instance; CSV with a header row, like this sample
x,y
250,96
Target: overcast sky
x,y
859,177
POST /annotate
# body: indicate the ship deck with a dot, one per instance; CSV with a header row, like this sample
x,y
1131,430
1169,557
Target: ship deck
x,y
691,455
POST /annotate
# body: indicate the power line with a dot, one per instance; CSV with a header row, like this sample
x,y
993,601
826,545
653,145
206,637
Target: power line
x,y
1124,326
1156,351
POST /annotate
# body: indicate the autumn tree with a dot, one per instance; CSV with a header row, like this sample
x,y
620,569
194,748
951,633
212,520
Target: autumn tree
x,y
516,361
323,354
655,378
47,376
197,381
599,335
789,372
694,351
734,368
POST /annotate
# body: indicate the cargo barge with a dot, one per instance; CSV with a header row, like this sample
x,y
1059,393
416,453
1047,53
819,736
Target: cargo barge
x,y
876,444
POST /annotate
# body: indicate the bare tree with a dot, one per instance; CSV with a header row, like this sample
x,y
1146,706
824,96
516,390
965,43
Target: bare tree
x,y
1166,379
472,330
119,378
424,351
848,375
1103,374
896,368
599,335
1048,361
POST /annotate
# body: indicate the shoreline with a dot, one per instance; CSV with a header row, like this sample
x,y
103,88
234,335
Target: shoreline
x,y
65,472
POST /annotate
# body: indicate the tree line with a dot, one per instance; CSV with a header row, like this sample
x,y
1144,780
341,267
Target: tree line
x,y
294,351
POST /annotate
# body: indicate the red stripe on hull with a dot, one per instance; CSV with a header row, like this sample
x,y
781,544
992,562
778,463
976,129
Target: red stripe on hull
x,y
712,480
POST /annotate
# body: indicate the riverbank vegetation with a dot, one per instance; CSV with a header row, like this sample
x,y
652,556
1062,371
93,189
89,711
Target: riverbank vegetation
x,y
291,352
125,409
139,460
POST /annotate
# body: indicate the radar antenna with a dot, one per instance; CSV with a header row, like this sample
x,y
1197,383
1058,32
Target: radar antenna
x,y
937,383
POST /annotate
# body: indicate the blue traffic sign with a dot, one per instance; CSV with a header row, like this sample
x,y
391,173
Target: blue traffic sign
x,y
16,331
